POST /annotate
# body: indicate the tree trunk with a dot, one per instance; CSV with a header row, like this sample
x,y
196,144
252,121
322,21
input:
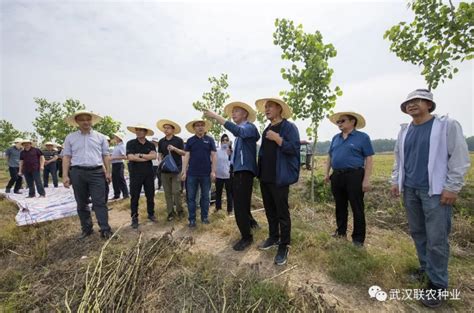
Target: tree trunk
x,y
313,163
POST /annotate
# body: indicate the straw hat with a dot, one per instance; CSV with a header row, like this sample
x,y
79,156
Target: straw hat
x,y
26,141
360,119
286,110
49,143
18,140
418,94
237,104
119,135
190,128
71,120
161,123
149,132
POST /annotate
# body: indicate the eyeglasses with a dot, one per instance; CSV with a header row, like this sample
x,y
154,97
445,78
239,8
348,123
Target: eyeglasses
x,y
341,121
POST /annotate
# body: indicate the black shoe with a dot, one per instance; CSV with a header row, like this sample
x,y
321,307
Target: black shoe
x,y
85,234
115,198
358,244
242,244
152,218
170,217
432,296
205,221
8,190
106,234
18,192
134,223
269,243
192,224
282,255
337,235
126,197
30,196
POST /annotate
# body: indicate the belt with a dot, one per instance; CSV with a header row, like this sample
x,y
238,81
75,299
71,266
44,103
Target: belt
x,y
346,170
87,168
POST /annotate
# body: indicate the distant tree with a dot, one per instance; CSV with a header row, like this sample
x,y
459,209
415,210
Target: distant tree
x,y
470,143
8,133
309,75
107,126
214,100
438,35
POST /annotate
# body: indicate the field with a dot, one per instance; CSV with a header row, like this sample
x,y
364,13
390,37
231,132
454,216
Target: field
x,y
166,267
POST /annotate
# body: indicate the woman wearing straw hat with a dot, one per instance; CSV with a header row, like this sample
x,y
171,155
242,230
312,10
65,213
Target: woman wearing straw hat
x,y
350,157
174,146
140,153
31,165
244,160
279,165
13,160
118,155
50,165
85,154
201,158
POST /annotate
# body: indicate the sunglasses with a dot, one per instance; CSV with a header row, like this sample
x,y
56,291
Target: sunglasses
x,y
341,121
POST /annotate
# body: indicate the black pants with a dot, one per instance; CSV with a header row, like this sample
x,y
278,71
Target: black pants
x,y
90,183
118,180
147,181
347,188
275,200
220,184
32,179
242,187
52,169
157,172
15,179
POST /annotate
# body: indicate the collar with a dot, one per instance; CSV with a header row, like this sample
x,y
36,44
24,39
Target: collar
x,y
353,132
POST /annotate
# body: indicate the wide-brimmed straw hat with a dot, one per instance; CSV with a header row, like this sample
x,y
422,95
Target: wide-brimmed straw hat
x,y
285,112
71,120
149,131
190,125
119,135
360,119
161,125
18,140
49,143
27,141
252,115
419,94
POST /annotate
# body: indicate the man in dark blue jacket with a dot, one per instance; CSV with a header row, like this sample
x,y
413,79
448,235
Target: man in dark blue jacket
x,y
278,168
244,160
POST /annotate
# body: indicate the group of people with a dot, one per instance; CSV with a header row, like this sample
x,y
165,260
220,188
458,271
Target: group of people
x,y
431,161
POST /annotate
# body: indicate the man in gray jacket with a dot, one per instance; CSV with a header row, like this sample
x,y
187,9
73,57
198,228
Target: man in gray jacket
x,y
431,159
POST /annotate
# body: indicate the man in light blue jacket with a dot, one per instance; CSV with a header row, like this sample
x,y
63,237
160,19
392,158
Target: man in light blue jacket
x,y
244,160
431,159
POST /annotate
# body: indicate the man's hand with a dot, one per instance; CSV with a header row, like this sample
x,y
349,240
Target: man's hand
x,y
448,197
366,185
395,191
183,176
108,177
271,135
41,168
213,176
66,181
327,179
171,148
210,114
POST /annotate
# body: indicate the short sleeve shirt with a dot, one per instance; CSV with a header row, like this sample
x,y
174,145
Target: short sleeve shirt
x,y
119,150
31,160
13,155
135,147
48,155
350,152
174,141
86,149
200,155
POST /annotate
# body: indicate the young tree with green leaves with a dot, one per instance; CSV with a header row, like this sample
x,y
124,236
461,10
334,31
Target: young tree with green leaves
x,y
214,100
439,35
107,126
8,133
309,75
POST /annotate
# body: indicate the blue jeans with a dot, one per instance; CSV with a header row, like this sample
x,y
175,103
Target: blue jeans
x,y
192,183
32,179
430,225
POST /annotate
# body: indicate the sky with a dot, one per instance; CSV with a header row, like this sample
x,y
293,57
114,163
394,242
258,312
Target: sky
x,y
143,61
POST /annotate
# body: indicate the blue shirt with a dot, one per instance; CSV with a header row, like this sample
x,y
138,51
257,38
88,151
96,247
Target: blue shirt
x,y
13,155
200,155
86,149
416,150
350,152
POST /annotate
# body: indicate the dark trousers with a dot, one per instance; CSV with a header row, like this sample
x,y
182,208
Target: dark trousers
x,y
118,180
15,179
220,184
59,165
147,181
157,172
50,168
90,183
242,187
347,188
32,179
275,200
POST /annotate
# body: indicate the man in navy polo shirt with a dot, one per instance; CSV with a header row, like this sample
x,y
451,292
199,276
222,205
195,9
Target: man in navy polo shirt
x,y
350,157
199,168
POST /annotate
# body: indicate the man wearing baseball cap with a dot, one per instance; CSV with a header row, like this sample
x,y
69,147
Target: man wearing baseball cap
x,y
431,159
